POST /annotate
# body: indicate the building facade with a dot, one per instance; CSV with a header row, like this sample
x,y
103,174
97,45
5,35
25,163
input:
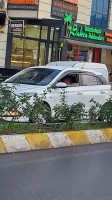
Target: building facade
x,y
37,32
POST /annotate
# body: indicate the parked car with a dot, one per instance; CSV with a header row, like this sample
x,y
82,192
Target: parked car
x,y
84,84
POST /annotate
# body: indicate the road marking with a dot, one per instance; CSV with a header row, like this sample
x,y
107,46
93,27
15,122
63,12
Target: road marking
x,y
15,143
78,137
95,136
38,141
59,139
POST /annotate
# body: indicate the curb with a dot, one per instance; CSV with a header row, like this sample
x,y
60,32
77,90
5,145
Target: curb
x,y
36,141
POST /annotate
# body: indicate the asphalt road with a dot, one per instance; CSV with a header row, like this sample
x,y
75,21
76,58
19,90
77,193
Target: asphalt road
x,y
75,173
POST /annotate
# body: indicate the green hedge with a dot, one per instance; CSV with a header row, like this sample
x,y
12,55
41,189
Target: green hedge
x,y
38,110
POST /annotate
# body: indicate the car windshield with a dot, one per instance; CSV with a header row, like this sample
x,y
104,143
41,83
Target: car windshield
x,y
34,76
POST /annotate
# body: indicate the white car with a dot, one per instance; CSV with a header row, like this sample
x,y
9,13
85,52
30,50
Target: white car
x,y
85,84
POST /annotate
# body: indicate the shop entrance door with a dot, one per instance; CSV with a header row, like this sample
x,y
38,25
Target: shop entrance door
x,y
78,52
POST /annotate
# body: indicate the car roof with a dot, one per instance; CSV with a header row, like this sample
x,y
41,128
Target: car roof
x,y
74,63
63,63
65,68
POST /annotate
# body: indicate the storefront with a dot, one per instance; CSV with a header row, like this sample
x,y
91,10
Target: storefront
x,y
38,44
85,43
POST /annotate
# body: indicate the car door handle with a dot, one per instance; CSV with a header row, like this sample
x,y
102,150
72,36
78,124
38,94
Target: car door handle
x,y
102,92
79,93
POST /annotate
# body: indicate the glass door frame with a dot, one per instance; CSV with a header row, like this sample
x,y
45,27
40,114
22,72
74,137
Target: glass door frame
x,y
45,22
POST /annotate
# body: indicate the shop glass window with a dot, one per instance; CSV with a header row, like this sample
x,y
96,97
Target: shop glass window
x,y
83,53
32,31
31,52
44,32
52,33
42,54
56,35
50,51
24,53
72,52
17,53
55,52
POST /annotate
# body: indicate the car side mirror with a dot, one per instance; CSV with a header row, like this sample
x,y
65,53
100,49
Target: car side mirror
x,y
61,85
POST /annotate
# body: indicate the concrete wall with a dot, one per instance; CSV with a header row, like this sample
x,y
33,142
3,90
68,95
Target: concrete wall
x,y
84,10
109,60
44,9
106,58
110,16
3,42
22,13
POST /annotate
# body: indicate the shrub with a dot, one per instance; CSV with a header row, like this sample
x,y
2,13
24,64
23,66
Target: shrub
x,y
106,111
68,113
94,111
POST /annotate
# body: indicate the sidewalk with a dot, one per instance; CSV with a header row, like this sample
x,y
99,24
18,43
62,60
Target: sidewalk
x,y
36,141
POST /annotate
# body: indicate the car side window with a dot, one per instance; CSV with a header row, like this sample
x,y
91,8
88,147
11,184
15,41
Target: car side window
x,y
72,80
89,80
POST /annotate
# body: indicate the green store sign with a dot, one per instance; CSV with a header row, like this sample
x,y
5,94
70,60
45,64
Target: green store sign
x,y
82,31
86,32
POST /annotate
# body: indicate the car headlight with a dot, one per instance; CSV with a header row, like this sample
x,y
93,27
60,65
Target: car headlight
x,y
13,114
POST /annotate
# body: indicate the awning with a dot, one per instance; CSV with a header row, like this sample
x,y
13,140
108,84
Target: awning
x,y
89,44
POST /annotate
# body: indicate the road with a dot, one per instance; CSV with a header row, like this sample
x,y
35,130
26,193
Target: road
x,y
72,173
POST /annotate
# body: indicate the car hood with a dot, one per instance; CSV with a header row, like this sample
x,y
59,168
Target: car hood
x,y
19,89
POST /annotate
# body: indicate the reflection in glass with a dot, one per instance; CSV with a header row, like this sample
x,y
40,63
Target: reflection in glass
x,y
105,7
99,13
56,35
72,52
55,52
50,51
24,53
84,53
93,18
42,54
52,33
105,21
32,31
44,32
31,52
99,6
17,53
93,7
98,22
